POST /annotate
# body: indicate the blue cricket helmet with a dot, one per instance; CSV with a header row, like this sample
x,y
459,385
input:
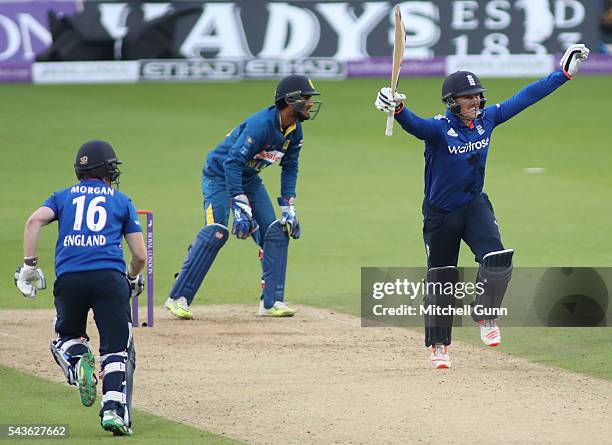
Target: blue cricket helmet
x,y
97,159
461,83
295,83
295,90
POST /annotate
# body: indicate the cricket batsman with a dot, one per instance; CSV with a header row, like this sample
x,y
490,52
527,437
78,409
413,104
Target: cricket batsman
x,y
93,218
231,184
455,207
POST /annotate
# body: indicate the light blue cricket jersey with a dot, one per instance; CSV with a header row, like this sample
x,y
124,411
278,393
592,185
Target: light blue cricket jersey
x,y
255,144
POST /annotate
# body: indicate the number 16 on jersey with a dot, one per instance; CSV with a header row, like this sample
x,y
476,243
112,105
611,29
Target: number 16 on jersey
x,y
398,55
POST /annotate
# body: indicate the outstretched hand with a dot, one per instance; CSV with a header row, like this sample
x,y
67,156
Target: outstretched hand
x,y
388,102
573,57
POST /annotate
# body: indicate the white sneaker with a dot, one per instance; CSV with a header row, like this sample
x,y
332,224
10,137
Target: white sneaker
x,y
440,358
280,309
489,332
179,308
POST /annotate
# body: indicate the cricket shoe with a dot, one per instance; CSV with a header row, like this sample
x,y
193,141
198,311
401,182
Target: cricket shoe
x,y
111,421
86,378
280,309
440,358
489,332
179,308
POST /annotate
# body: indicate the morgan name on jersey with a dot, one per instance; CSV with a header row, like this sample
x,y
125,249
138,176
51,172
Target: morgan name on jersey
x,y
103,190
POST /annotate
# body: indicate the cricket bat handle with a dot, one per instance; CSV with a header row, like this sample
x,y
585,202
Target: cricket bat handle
x,y
390,119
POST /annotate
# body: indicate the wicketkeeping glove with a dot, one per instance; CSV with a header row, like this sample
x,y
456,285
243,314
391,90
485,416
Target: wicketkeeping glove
x,y
244,224
573,57
289,218
136,284
29,280
387,102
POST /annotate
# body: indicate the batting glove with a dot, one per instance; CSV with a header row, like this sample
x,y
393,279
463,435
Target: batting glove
x,y
573,57
29,280
136,284
388,102
289,218
244,224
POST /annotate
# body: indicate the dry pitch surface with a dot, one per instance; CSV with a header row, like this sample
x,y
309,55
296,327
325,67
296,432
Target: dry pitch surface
x,y
321,378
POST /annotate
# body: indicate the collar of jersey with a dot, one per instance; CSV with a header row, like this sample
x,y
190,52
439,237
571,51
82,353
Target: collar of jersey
x,y
291,127
460,123
94,180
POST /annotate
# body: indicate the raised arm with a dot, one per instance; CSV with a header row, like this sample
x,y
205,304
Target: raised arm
x,y
424,129
570,63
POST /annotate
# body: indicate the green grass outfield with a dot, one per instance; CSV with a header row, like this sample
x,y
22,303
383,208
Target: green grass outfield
x,y
359,192
26,400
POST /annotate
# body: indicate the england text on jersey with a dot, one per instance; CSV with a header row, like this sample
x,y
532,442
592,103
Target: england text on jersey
x,y
84,240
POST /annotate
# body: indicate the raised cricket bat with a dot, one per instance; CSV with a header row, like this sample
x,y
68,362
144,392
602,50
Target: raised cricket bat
x,y
398,55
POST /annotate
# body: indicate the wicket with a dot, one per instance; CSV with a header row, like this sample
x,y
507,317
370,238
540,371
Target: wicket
x,y
150,277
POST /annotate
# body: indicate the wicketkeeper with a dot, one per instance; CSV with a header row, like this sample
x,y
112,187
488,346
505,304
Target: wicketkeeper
x,y
455,208
231,184
93,218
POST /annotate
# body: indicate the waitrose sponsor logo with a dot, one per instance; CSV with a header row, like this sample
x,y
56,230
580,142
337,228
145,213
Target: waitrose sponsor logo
x,y
470,146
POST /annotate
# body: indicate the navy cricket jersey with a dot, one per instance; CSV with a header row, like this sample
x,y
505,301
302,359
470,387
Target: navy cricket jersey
x,y
255,144
92,219
455,154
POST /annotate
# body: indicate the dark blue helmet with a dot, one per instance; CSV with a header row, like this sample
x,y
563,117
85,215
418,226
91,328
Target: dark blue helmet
x,y
97,159
295,90
461,83
295,83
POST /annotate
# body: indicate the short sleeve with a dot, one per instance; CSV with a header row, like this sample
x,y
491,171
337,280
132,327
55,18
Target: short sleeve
x,y
132,225
51,202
